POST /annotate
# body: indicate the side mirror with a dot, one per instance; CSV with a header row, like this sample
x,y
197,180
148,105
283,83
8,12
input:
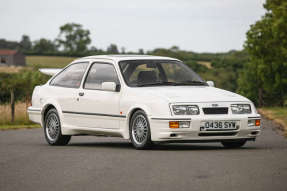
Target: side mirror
x,y
210,83
109,86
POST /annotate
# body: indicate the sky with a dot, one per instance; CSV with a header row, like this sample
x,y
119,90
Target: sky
x,y
194,25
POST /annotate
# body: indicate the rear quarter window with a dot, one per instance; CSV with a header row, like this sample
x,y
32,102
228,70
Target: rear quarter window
x,y
71,77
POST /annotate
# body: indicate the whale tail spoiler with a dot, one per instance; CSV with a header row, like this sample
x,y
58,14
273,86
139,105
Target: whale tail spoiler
x,y
50,71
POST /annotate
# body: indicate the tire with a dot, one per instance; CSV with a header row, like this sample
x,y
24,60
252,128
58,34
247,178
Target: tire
x,y
233,144
52,129
140,134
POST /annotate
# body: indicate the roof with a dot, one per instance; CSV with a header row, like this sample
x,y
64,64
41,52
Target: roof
x,y
119,57
7,52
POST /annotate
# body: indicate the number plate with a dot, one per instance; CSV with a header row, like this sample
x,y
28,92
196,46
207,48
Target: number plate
x,y
219,125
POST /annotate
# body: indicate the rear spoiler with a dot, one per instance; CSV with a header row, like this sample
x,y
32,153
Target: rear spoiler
x,y
50,71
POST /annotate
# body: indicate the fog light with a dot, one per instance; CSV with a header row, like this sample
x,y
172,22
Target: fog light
x,y
179,124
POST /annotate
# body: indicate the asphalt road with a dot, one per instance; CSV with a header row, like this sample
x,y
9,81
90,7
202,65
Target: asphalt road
x,y
98,163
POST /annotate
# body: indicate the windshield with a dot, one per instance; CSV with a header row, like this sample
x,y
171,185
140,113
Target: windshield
x,y
138,73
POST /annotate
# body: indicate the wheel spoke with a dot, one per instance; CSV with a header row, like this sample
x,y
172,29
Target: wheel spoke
x,y
140,129
52,126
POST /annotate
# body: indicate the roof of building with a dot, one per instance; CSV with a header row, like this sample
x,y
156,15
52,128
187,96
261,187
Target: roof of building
x,y
119,57
7,52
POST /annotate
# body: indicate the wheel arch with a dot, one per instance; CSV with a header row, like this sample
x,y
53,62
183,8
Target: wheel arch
x,y
129,117
132,113
45,109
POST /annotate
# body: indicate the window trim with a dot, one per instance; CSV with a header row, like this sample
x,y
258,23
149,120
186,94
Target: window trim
x,y
66,69
118,86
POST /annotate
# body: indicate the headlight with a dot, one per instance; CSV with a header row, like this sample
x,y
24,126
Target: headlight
x,y
185,109
241,108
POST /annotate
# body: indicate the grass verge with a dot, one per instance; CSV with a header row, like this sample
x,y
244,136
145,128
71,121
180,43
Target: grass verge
x,y
9,127
277,114
21,117
48,61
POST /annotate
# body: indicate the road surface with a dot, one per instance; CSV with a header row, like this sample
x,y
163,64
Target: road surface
x,y
27,163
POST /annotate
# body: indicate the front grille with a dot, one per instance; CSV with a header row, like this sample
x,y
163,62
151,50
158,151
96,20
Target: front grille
x,y
217,134
215,110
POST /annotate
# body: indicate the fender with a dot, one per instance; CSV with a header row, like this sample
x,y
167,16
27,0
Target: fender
x,y
52,102
124,124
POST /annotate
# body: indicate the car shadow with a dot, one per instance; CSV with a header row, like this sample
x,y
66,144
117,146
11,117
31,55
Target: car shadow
x,y
158,147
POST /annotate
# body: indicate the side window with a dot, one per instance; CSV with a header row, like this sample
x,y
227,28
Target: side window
x,y
71,77
100,73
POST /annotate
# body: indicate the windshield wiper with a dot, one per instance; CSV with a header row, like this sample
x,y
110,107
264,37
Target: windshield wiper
x,y
185,83
192,82
158,84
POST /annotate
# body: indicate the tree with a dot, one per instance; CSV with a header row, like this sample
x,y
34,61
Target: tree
x,y
5,44
112,49
9,82
25,43
267,46
174,48
43,46
141,51
278,11
259,46
123,50
29,79
73,38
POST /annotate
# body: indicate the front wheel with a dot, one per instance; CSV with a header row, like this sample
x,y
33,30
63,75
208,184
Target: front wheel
x,y
52,129
233,143
140,134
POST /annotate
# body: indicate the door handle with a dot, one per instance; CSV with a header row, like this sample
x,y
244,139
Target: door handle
x,y
81,94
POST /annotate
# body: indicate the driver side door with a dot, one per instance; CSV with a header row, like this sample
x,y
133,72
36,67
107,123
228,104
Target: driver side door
x,y
99,108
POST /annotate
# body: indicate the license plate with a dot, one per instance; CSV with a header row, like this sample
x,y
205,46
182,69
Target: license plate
x,y
218,125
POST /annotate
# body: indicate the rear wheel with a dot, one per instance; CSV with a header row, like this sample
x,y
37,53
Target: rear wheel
x,y
233,143
52,129
140,134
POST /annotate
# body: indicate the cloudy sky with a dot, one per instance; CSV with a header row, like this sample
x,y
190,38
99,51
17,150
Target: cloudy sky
x,y
196,25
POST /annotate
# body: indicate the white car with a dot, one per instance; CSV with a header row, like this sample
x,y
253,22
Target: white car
x,y
145,99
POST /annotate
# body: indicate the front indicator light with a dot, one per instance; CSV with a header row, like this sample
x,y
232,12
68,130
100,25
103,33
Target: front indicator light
x,y
174,124
179,124
253,122
257,122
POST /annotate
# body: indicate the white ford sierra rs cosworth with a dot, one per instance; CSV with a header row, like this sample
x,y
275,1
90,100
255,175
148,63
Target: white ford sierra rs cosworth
x,y
145,99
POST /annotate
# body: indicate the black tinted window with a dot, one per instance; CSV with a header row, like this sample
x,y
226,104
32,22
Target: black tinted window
x,y
100,73
71,77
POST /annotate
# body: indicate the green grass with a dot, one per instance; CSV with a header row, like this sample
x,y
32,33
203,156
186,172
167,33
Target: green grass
x,y
278,114
9,127
48,61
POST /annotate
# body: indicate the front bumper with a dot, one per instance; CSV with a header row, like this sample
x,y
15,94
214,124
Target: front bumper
x,y
160,131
